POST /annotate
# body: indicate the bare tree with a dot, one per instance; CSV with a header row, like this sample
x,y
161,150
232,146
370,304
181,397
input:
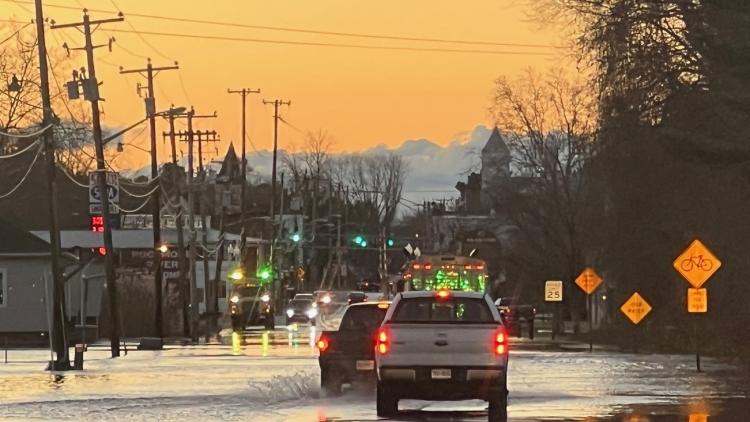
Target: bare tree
x,y
550,125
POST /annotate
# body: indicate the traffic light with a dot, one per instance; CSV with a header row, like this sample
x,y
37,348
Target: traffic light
x,y
359,239
363,243
296,237
264,273
390,243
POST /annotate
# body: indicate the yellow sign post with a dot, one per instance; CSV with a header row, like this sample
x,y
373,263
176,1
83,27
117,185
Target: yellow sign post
x,y
588,281
697,301
636,308
697,264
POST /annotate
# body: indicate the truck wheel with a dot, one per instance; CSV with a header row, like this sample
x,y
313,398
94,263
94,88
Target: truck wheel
x,y
387,404
498,409
330,384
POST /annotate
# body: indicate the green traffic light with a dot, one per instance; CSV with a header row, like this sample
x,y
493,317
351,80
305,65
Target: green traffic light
x,y
390,243
265,275
363,243
359,239
296,237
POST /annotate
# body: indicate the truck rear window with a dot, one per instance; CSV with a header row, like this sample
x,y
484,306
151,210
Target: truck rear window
x,y
362,318
431,310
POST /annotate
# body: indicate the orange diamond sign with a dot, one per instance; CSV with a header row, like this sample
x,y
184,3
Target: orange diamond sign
x,y
697,264
588,281
636,308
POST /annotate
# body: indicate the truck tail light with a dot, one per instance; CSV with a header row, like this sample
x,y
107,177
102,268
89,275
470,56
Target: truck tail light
x,y
323,344
382,342
501,342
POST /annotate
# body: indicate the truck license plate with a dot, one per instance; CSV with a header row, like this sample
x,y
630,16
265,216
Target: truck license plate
x,y
441,374
365,365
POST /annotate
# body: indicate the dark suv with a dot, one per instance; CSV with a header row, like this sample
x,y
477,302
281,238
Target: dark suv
x,y
348,355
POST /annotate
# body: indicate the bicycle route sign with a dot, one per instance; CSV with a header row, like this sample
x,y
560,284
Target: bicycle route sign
x,y
636,308
697,301
588,281
697,264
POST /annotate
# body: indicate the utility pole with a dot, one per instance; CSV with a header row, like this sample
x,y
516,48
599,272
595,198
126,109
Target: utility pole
x,y
184,289
243,92
91,93
150,101
62,360
276,103
189,137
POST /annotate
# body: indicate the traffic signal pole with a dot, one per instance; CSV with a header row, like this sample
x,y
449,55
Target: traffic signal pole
x,y
62,360
101,171
155,198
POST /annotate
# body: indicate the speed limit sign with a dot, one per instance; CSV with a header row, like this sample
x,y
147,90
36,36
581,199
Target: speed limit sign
x,y
553,291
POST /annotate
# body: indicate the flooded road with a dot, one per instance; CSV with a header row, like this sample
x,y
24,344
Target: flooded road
x,y
274,376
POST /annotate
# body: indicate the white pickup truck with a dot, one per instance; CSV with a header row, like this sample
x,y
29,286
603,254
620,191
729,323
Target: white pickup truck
x,y
442,345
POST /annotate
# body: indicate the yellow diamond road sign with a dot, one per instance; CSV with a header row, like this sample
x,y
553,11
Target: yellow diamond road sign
x,y
697,264
636,308
588,281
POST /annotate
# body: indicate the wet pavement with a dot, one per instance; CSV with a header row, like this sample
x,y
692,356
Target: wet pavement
x,y
273,376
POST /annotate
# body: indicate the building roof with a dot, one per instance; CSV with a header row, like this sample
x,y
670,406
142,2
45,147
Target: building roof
x,y
495,144
231,166
17,241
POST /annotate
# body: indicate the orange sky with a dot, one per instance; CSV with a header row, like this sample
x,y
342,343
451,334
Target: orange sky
x,y
362,97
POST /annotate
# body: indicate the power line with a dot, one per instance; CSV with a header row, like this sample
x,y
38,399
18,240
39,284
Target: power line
x,y
25,135
310,31
15,33
17,153
26,175
72,179
325,44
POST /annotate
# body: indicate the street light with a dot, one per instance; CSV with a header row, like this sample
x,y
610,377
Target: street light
x,y
163,248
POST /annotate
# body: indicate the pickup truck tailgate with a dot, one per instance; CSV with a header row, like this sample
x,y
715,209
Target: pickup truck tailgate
x,y
441,344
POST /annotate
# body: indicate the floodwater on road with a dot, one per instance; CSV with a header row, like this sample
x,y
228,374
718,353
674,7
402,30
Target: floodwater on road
x,y
275,377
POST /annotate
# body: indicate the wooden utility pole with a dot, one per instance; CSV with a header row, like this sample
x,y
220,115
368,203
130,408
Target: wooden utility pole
x,y
189,136
182,261
91,93
243,92
150,101
62,360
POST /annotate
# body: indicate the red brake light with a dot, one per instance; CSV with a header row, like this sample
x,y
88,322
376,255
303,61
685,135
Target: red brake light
x,y
416,266
102,251
480,267
383,305
443,294
381,345
427,266
323,344
468,267
501,342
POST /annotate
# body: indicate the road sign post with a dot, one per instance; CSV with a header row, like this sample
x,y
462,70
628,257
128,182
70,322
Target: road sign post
x,y
636,308
553,292
697,264
589,281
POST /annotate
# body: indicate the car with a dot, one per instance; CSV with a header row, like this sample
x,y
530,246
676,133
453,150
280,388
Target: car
x,y
251,304
301,309
442,345
347,355
357,297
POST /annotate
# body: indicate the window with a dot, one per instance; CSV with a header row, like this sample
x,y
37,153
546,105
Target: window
x,y
3,288
435,310
362,317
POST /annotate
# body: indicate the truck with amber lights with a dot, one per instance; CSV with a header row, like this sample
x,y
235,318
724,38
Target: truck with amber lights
x,y
442,345
434,272
250,300
347,355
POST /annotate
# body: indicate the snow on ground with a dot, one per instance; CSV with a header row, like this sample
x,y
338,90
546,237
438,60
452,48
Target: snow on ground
x,y
276,380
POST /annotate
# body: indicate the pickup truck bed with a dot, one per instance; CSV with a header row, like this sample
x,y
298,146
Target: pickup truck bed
x,y
442,346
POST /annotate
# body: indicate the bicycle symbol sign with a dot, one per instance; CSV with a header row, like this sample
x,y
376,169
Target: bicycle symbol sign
x,y
697,264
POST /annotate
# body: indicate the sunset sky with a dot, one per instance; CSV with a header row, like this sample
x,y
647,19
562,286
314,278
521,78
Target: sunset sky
x,y
362,97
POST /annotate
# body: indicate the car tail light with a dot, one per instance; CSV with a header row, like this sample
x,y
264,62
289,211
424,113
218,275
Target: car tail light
x,y
501,342
427,266
323,344
417,266
442,294
382,342
468,267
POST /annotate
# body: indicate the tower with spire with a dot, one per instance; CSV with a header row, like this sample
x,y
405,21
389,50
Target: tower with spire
x,y
495,169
